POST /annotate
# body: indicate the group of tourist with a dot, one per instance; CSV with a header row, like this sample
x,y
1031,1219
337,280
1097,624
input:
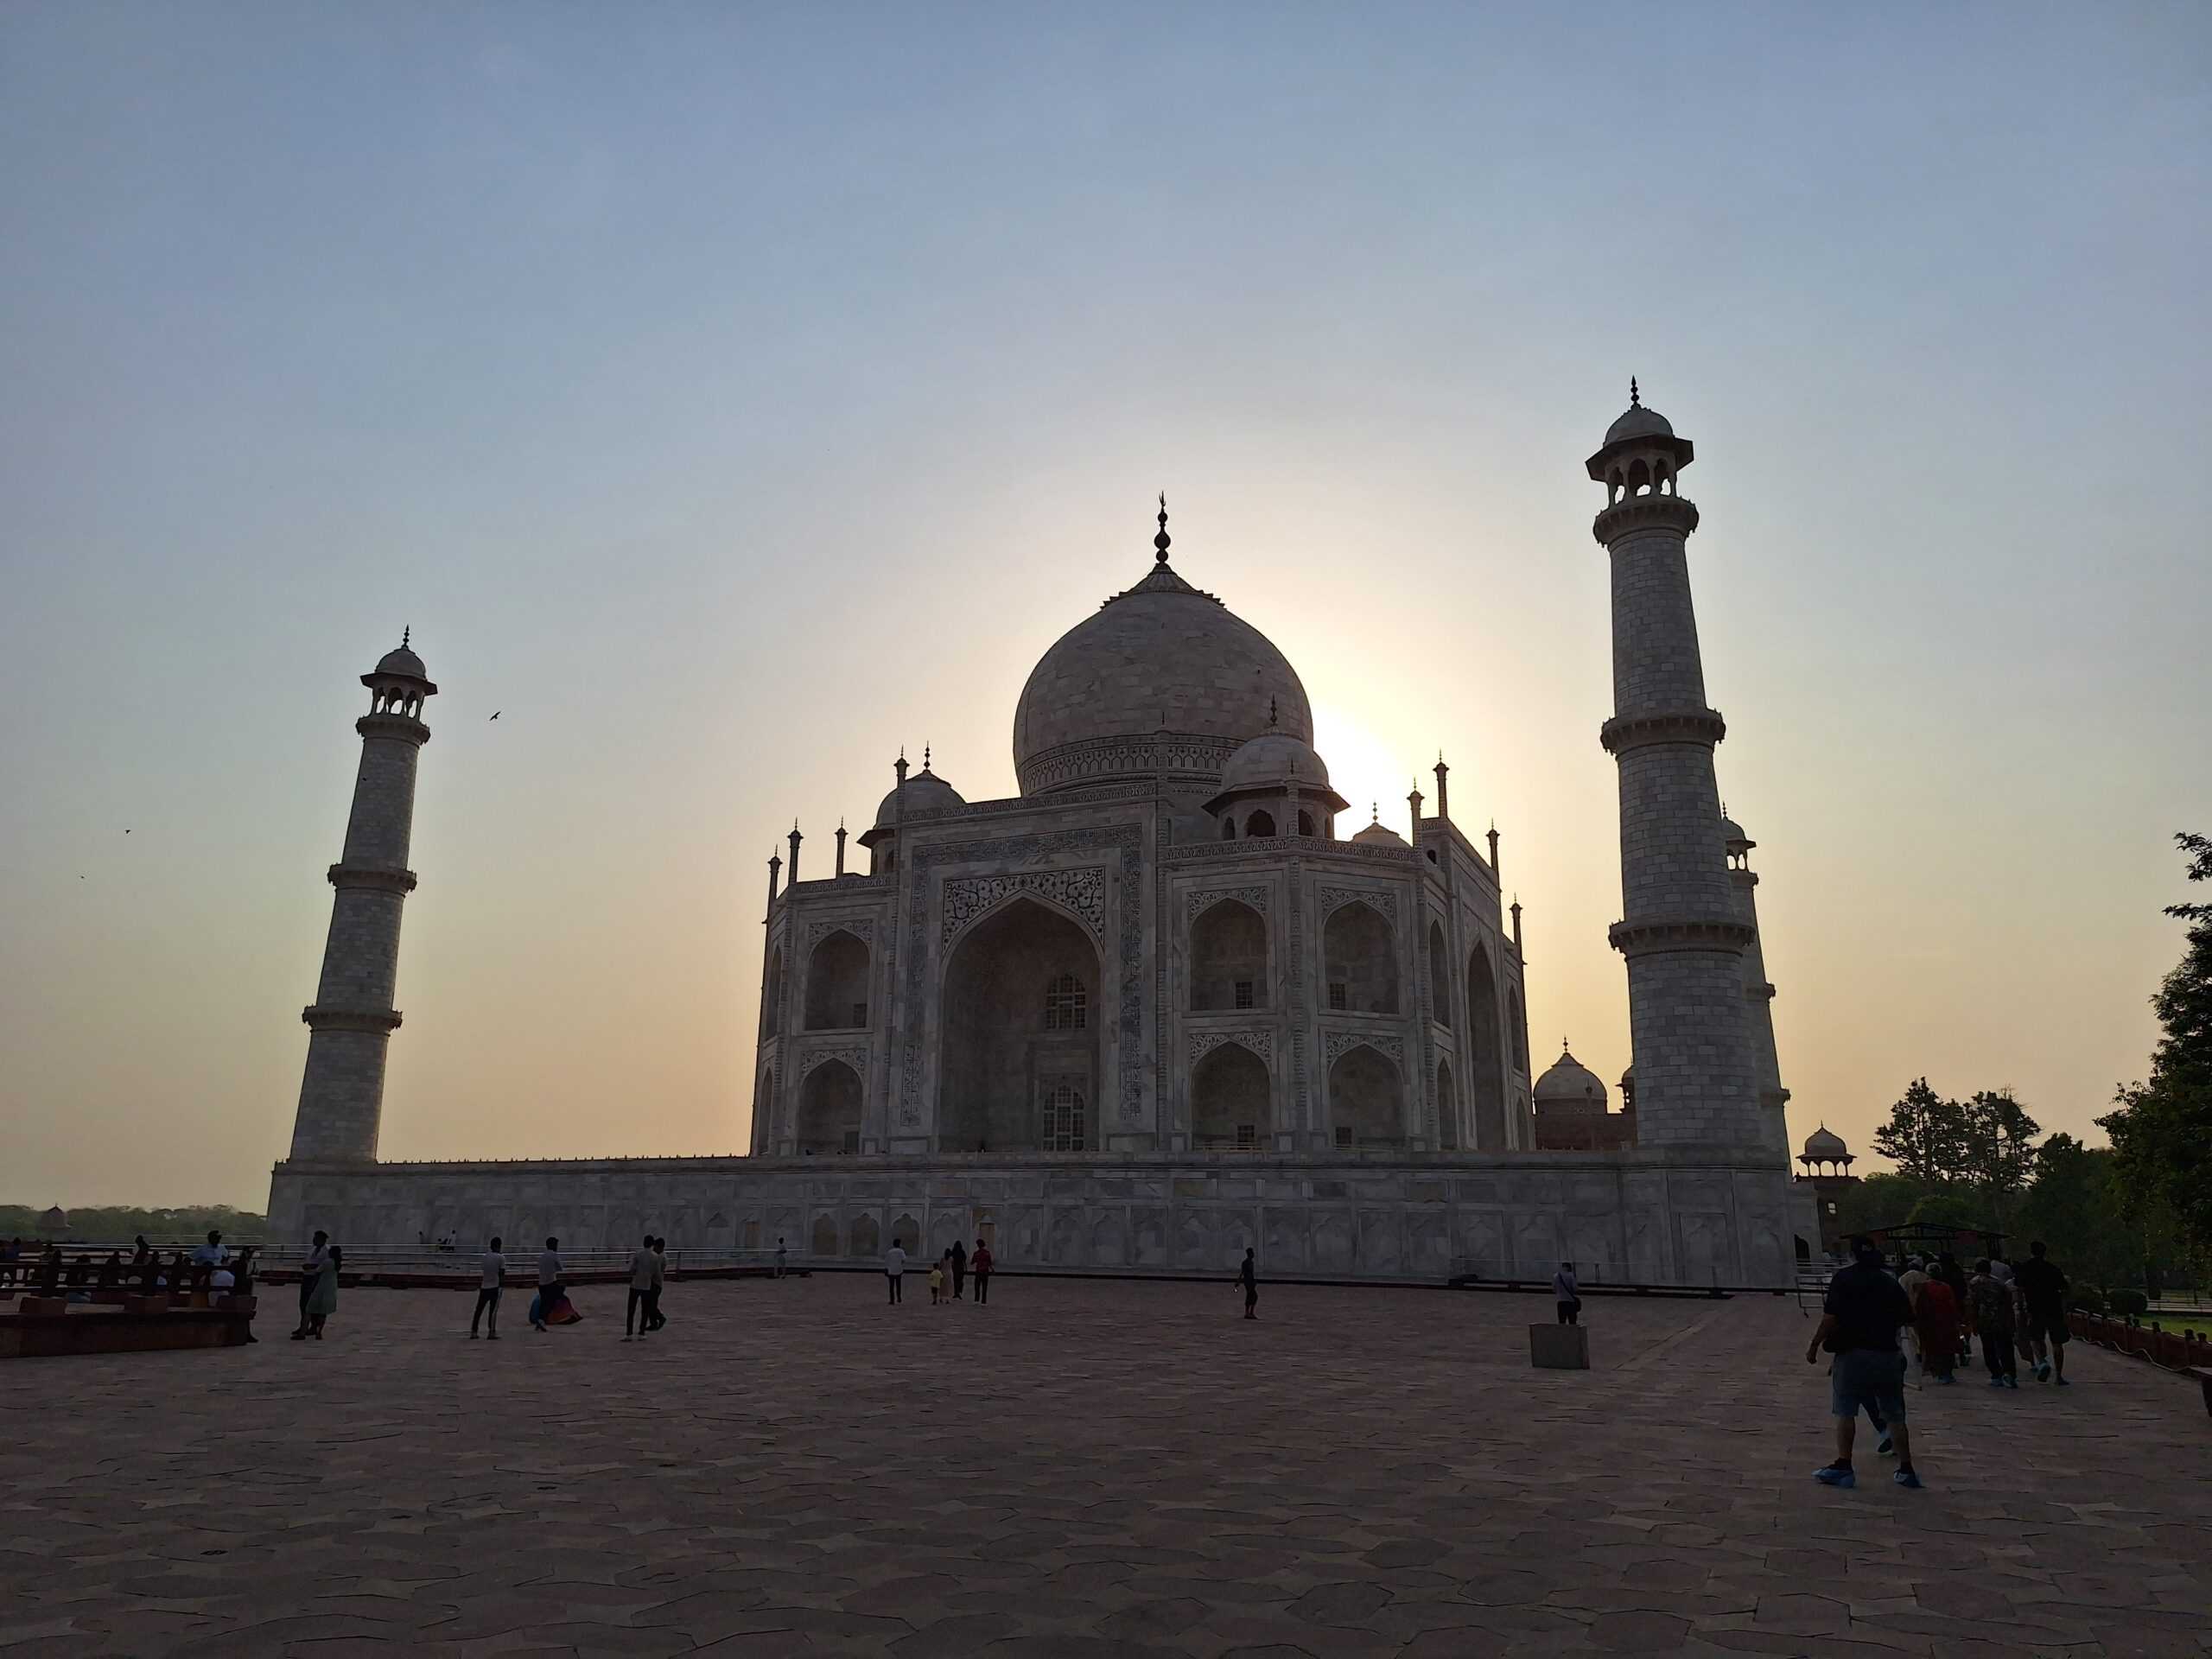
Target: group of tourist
x,y
948,1275
211,1266
1872,1322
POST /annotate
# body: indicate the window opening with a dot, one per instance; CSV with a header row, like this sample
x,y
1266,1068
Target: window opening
x,y
1066,1005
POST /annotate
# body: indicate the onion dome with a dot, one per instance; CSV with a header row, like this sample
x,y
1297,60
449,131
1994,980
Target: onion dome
x,y
1377,833
1824,1145
1569,1085
400,663
1164,681
922,792
1275,757
1641,431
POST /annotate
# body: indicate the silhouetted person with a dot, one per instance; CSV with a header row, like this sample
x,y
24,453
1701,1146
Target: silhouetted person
x,y
310,1274
982,1264
493,1264
1248,1276
641,1285
959,1270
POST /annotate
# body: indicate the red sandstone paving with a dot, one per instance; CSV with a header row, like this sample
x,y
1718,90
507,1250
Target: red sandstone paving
x,y
1081,1468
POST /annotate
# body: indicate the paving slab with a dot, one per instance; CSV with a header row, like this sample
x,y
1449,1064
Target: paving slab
x,y
1081,1468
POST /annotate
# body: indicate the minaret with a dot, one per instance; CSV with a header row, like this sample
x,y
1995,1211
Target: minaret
x,y
341,1095
1759,992
1697,1081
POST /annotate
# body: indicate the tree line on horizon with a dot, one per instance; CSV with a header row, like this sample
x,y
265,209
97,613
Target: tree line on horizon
x,y
120,1223
2127,1215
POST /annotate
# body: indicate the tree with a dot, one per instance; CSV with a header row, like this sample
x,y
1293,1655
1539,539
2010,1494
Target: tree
x,y
1925,1136
2161,1129
1997,1158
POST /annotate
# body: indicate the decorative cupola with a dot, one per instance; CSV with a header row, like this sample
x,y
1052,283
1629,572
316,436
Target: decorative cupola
x,y
1275,784
1641,454
922,792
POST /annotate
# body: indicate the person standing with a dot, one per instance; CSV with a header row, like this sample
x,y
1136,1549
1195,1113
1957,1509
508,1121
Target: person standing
x,y
959,1270
654,1318
1248,1276
1992,1301
1951,1273
1859,1326
894,1267
549,1281
311,1275
779,1256
1566,1294
324,1302
641,1287
488,1286
936,1279
981,1263
2043,1290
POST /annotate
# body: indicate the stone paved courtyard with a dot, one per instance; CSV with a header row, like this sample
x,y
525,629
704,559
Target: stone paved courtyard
x,y
1079,1468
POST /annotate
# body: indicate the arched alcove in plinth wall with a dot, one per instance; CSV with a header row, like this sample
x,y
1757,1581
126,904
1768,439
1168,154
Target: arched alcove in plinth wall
x,y
1447,1109
829,1110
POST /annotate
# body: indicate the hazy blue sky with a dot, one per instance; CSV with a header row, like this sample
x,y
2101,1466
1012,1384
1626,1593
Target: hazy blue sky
x,y
730,394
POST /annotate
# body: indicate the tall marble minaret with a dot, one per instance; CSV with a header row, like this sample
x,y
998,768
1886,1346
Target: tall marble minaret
x,y
1697,1078
341,1097
1759,989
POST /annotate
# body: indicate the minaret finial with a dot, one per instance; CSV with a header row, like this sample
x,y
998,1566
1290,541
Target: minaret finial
x,y
1160,541
925,757
1635,397
1375,812
405,634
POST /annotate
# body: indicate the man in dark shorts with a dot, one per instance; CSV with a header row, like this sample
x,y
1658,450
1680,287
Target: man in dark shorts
x,y
2042,1287
1249,1277
1859,1326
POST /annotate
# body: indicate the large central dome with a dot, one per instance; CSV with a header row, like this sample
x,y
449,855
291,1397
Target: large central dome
x,y
1163,682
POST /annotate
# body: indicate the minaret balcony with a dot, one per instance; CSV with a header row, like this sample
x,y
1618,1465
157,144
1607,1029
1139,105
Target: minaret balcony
x,y
371,876
1681,933
379,1020
1626,732
1634,512
403,726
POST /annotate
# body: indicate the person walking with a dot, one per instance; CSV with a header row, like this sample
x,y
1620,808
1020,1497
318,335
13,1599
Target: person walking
x,y
1936,1325
959,1254
494,1279
1991,1302
1948,1269
324,1302
2043,1290
1566,1294
980,1264
655,1318
1859,1326
894,1267
1248,1276
310,1275
936,1279
641,1285
549,1287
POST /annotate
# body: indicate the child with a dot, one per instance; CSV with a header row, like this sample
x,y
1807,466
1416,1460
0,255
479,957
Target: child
x,y
936,1283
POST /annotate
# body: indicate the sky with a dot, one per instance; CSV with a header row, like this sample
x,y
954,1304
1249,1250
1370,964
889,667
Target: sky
x,y
728,396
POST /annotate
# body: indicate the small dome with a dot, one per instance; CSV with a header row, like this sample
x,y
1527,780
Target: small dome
x,y
1638,422
1379,833
401,664
1275,757
1732,834
925,793
1570,1083
1823,1146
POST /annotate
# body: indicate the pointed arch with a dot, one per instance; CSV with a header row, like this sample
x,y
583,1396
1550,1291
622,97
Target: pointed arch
x,y
836,982
771,993
1228,957
1485,1053
1019,1031
867,1239
1359,952
829,1110
764,1111
1516,1029
1439,975
1447,1109
1262,822
1231,1101
1367,1099
823,1239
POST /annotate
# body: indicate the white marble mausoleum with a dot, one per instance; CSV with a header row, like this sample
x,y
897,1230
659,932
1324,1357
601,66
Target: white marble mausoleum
x,y
1155,1008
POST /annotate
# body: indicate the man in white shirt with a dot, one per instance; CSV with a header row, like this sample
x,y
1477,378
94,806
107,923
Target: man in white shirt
x,y
641,1290
548,1281
208,1257
494,1264
894,1266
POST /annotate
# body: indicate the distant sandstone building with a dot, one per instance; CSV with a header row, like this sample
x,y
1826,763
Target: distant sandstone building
x,y
1155,1008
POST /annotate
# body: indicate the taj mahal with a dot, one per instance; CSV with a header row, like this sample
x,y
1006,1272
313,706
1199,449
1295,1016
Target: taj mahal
x,y
1159,1007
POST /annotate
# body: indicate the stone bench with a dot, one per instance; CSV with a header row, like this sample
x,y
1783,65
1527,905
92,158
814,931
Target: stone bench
x,y
46,1326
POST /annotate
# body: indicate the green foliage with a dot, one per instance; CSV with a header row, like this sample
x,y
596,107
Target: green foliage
x,y
1979,1149
2123,1302
2088,1299
2161,1129
118,1224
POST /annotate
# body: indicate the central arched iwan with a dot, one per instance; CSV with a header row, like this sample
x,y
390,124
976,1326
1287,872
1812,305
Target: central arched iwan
x,y
1020,1062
